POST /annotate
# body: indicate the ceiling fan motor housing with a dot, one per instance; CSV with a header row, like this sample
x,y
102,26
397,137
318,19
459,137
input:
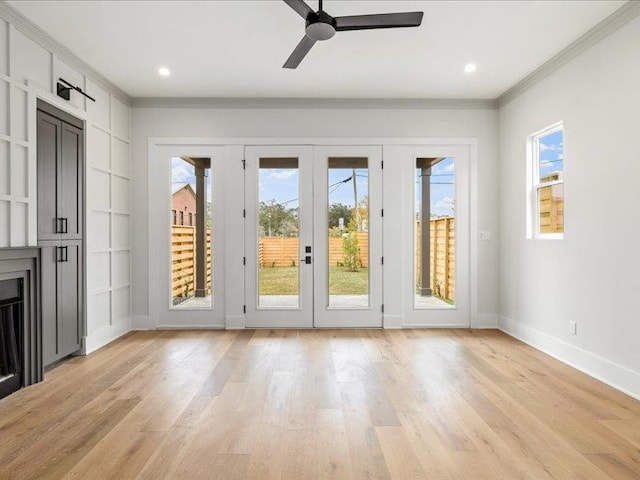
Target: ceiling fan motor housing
x,y
320,26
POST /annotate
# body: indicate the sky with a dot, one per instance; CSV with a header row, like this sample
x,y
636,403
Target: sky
x,y
442,189
281,184
551,153
183,172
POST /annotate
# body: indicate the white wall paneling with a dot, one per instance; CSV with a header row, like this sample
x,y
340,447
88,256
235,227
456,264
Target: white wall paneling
x,y
4,48
5,170
28,71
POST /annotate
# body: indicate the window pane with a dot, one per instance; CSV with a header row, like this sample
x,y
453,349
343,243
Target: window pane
x,y
551,158
348,232
278,232
434,221
551,208
191,233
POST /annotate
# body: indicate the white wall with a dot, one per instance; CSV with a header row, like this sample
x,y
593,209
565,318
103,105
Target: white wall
x,y
592,276
29,70
210,122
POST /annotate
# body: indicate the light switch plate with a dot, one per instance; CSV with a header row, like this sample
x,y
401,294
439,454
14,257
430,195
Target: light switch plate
x,y
484,235
573,328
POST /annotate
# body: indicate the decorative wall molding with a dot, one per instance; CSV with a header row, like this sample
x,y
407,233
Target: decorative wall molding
x,y
42,38
611,373
317,103
606,27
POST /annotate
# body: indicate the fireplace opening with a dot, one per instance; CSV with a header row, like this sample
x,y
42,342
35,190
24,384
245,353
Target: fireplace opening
x,y
11,335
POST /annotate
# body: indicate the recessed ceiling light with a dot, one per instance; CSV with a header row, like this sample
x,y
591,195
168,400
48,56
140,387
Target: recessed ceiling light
x,y
164,72
470,68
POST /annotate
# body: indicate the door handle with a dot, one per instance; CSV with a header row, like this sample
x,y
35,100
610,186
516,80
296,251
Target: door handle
x,y
66,253
66,225
59,254
59,225
306,259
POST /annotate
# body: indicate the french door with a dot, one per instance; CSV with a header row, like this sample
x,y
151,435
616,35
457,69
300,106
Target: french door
x,y
313,233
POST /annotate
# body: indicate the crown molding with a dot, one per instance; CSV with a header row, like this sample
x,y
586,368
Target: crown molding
x,y
35,33
626,13
316,103
606,27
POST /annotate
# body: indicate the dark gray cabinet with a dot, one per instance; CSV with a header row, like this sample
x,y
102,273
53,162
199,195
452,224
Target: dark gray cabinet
x,y
61,273
60,230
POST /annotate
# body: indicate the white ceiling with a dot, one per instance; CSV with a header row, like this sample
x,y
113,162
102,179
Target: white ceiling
x,y
237,48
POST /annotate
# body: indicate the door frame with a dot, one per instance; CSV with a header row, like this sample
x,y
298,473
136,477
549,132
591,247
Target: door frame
x,y
402,212
303,315
234,225
160,248
364,317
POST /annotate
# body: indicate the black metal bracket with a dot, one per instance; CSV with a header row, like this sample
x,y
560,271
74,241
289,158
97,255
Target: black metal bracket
x,y
64,90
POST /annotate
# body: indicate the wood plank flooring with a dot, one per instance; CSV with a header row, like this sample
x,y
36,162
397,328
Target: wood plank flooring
x,y
318,404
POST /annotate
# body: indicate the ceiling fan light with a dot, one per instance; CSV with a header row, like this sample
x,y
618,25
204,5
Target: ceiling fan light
x,y
320,31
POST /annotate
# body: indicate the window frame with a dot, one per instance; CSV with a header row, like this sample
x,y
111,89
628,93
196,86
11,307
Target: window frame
x,y
534,185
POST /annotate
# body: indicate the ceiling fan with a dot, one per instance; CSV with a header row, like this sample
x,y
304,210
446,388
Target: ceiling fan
x,y
322,26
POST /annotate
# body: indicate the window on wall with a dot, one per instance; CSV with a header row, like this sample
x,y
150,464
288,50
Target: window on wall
x,y
546,162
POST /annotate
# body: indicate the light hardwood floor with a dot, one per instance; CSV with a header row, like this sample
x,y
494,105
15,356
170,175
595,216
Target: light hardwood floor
x,y
347,404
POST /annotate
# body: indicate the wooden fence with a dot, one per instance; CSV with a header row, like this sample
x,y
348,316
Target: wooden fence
x,y
551,210
183,259
284,252
443,260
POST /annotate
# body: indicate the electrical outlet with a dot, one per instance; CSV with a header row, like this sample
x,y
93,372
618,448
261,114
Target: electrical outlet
x,y
484,235
573,328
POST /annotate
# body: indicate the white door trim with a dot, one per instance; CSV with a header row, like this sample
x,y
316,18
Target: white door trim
x,y
234,276
159,183
262,317
365,317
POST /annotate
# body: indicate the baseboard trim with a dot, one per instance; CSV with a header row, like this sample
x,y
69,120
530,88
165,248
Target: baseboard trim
x,y
615,375
437,325
190,327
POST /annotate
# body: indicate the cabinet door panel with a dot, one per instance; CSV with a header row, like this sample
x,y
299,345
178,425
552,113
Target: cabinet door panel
x,y
70,296
48,155
70,208
49,293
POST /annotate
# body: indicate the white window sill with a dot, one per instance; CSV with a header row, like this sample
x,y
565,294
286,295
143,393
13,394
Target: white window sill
x,y
549,236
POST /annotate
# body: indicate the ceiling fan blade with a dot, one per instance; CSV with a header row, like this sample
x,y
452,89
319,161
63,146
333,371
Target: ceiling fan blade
x,y
382,20
299,53
300,7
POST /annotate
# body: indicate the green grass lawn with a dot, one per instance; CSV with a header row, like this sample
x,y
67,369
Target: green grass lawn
x,y
284,281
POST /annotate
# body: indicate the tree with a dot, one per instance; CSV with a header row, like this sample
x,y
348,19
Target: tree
x,y
338,211
351,247
276,220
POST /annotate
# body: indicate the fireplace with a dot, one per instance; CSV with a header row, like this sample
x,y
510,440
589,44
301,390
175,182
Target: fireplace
x,y
20,327
11,320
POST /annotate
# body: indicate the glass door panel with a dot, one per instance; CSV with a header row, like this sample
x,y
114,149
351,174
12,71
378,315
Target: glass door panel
x,y
348,232
348,236
185,189
191,233
279,219
435,232
430,214
279,229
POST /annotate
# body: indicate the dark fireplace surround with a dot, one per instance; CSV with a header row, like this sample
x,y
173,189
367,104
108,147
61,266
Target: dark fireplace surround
x,y
21,264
